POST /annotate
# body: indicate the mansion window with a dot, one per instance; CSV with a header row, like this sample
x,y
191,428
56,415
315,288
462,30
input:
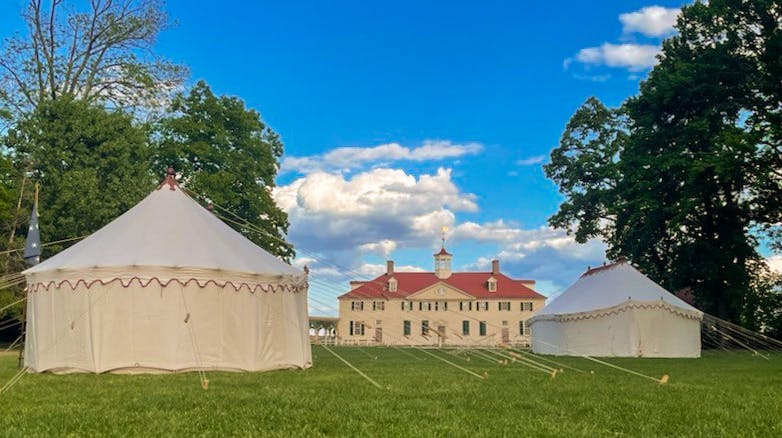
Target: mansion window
x,y
392,285
356,328
482,328
526,305
466,328
503,305
524,328
406,327
424,327
378,305
356,305
492,285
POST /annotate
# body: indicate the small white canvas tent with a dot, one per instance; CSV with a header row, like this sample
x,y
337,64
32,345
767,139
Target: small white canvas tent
x,y
166,286
615,310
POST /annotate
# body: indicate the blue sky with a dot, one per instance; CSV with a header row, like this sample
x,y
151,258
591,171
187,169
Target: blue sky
x,y
449,108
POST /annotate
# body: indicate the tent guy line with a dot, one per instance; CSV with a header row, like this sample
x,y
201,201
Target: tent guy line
x,y
250,226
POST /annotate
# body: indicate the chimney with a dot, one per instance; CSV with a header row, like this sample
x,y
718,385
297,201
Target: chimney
x,y
390,268
495,267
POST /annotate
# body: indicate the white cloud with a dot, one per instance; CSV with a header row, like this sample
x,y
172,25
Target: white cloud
x,y
544,254
383,247
531,161
374,211
339,220
349,158
652,21
634,57
370,270
775,263
593,78
301,262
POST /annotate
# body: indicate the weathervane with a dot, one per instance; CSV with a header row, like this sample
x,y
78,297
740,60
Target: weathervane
x,y
443,237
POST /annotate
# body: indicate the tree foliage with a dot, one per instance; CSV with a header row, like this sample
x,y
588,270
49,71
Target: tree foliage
x,y
101,55
585,168
696,166
92,165
230,157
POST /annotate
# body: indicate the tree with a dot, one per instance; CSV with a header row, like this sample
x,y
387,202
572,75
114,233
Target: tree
x,y
584,166
9,179
92,165
230,157
697,171
100,56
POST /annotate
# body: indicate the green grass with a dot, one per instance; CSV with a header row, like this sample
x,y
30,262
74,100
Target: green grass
x,y
723,394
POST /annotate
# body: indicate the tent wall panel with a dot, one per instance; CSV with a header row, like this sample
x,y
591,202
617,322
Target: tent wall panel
x,y
630,332
142,329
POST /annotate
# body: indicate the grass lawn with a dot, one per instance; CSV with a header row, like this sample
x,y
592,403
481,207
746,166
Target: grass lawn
x,y
721,394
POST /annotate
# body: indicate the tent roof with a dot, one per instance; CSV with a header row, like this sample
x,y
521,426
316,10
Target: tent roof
x,y
167,229
609,286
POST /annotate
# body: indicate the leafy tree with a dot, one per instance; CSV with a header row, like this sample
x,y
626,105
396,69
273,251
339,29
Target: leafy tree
x,y
92,165
229,156
584,166
9,180
102,55
697,169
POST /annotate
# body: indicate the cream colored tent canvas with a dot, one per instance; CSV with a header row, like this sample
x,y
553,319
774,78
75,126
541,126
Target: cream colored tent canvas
x,y
167,286
615,310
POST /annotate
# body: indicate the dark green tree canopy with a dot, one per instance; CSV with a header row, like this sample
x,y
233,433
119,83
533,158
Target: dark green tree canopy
x,y
227,155
584,166
683,176
92,165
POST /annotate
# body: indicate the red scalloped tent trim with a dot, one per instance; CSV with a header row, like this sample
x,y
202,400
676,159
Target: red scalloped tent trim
x,y
252,288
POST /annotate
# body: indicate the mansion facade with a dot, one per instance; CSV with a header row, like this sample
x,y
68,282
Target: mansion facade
x,y
439,308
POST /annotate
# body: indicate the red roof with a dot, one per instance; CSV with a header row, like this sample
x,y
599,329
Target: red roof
x,y
472,283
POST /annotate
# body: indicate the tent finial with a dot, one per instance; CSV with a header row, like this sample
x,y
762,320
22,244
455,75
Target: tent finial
x,y
169,179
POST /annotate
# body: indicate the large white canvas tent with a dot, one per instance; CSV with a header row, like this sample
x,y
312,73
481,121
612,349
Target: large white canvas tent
x,y
615,310
166,286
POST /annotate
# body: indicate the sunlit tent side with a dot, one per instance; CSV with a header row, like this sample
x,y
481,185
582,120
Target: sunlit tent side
x,y
615,310
166,286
